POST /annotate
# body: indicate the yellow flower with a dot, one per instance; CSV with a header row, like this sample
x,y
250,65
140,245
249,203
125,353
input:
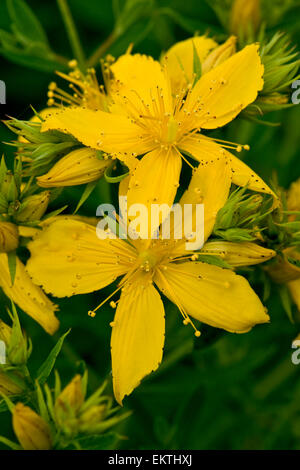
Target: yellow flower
x,y
67,258
86,90
145,119
32,431
77,167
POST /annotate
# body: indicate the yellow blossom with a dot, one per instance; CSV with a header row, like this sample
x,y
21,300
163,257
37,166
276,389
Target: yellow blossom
x,y
145,119
67,259
32,431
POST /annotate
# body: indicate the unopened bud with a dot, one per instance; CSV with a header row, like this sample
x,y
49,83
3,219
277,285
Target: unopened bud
x,y
91,418
9,237
239,254
32,431
245,17
9,386
33,207
293,196
77,167
283,270
9,188
69,402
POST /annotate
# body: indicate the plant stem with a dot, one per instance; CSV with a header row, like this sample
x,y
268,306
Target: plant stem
x,y
72,32
99,52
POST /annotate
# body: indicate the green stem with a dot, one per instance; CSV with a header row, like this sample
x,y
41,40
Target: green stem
x,y
100,51
72,32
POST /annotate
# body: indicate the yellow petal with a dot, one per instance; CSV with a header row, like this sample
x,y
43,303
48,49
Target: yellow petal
x,y
210,185
202,149
213,295
238,254
243,175
139,78
28,296
179,60
68,258
227,89
137,337
219,54
78,167
155,179
109,132
294,288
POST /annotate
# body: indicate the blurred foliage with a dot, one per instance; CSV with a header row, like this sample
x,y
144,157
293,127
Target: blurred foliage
x,y
223,391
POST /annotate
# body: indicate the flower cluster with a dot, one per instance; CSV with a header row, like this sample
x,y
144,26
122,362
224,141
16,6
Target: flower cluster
x,y
149,123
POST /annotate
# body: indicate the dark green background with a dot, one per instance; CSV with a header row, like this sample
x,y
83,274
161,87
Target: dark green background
x,y
221,391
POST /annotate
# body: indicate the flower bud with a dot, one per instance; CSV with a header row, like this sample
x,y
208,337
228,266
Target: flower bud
x,y
245,17
91,418
8,386
283,270
219,54
9,187
239,254
31,430
70,400
77,167
33,207
43,114
293,196
9,237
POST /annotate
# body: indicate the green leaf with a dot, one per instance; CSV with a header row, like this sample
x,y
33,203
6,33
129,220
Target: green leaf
x,y
25,23
86,194
286,302
12,264
46,368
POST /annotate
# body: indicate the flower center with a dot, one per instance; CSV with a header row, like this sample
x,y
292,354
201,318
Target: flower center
x,y
148,260
172,128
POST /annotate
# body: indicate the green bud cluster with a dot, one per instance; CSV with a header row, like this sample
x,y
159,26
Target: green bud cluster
x,y
243,216
40,149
